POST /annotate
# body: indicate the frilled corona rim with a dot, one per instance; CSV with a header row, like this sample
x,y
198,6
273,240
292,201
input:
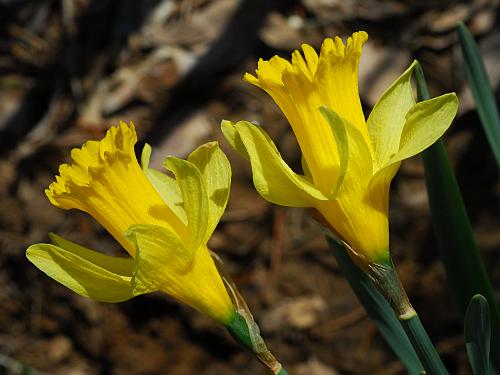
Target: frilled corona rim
x,y
333,52
88,161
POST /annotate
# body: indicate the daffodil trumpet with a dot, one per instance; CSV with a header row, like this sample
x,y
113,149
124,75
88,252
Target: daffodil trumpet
x,y
162,221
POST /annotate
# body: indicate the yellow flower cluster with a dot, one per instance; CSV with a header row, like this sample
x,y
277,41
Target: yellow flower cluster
x,y
164,222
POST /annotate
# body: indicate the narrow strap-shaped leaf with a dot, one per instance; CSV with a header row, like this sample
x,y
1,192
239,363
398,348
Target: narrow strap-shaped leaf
x,y
481,89
477,331
458,250
377,308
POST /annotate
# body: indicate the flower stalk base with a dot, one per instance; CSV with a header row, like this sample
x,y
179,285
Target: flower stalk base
x,y
242,326
386,279
247,334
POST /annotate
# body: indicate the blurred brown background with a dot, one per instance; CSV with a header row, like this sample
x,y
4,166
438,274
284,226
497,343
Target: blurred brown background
x,y
71,68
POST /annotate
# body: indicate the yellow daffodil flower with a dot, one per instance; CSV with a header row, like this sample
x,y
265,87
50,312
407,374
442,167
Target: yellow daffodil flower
x,y
162,222
348,162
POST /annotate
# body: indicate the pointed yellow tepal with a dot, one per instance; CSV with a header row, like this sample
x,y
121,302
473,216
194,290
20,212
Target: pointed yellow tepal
x,y
348,161
163,223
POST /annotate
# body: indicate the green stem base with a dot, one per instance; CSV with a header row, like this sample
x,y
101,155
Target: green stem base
x,y
389,284
247,333
423,346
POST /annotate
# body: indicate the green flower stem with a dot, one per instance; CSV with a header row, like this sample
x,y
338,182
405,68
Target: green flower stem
x,y
385,277
377,308
423,345
243,328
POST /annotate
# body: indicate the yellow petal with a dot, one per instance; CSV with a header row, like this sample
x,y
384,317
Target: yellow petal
x,y
317,143
387,119
305,167
273,178
339,130
337,77
356,220
118,265
162,265
216,176
425,123
106,181
311,58
81,274
354,153
377,193
165,185
195,198
233,138
269,73
359,224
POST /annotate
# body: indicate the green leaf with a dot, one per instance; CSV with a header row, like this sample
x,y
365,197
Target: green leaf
x,y
481,89
458,250
378,309
477,329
